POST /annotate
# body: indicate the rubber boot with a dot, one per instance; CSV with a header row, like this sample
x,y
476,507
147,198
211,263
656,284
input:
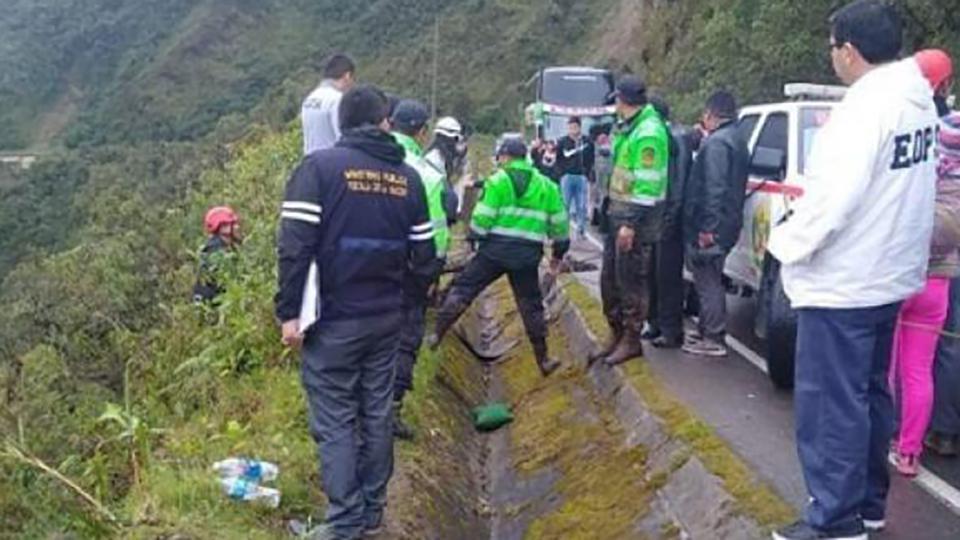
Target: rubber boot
x,y
616,332
401,430
546,364
628,348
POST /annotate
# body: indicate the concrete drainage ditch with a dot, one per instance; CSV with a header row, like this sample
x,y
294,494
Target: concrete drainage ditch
x,y
585,457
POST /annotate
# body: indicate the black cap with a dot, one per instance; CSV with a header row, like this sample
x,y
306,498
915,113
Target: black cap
x,y
410,115
512,147
631,90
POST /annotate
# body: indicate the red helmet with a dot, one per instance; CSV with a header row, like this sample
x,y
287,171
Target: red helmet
x,y
936,66
218,216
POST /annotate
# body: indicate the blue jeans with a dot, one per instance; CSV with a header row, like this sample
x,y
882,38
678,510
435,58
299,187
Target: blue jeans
x,y
844,413
574,189
348,375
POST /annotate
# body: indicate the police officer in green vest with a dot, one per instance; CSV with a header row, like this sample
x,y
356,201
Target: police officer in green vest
x,y
519,211
638,189
409,121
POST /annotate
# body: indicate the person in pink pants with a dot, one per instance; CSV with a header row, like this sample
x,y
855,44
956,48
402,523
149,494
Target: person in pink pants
x,y
922,316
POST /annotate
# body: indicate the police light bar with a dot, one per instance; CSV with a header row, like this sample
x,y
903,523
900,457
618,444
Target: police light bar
x,y
800,91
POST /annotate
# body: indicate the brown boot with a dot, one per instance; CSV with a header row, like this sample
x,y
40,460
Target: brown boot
x,y
615,334
546,364
628,348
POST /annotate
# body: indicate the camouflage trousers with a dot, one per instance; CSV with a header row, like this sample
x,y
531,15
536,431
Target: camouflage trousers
x,y
624,283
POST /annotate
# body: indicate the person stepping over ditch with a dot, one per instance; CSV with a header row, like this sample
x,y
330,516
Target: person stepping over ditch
x,y
520,210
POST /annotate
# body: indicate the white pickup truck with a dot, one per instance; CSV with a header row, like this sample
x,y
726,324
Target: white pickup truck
x,y
780,137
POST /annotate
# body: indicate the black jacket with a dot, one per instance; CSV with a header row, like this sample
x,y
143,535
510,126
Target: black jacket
x,y
574,157
715,190
681,161
361,213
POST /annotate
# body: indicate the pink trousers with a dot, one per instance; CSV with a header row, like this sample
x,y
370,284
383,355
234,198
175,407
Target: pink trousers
x,y
915,346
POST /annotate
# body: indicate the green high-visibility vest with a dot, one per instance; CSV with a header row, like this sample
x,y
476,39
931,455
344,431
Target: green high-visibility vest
x,y
640,160
537,215
434,184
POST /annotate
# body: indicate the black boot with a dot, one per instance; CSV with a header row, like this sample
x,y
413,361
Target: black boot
x,y
447,316
616,332
628,348
546,364
400,428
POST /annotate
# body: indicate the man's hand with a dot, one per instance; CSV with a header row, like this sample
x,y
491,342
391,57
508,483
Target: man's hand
x,y
292,337
625,237
706,240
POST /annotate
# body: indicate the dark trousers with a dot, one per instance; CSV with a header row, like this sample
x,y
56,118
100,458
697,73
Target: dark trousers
x,y
946,372
667,290
411,336
348,375
482,271
707,270
844,413
624,284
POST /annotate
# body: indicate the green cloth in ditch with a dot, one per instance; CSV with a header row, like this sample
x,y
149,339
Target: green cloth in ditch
x,y
492,416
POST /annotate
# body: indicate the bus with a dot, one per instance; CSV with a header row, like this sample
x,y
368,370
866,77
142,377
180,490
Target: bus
x,y
562,92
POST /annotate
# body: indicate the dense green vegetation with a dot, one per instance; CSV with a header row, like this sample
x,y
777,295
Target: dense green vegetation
x,y
143,103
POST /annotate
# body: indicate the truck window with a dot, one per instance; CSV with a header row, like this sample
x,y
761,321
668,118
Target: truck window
x,y
812,119
775,134
747,125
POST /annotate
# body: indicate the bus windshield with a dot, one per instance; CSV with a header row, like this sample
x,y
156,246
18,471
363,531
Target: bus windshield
x,y
576,89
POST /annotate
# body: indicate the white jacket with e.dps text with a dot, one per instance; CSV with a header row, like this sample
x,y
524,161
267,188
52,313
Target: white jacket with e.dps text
x,y
859,236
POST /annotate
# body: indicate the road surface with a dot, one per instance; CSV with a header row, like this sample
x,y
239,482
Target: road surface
x,y
735,396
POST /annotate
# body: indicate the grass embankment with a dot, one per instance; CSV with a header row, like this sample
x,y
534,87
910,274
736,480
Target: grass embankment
x,y
754,498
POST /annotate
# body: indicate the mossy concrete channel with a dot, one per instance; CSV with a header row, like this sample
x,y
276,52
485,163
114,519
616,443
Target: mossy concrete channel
x,y
593,453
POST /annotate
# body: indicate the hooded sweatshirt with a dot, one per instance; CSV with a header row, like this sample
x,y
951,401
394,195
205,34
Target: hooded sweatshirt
x,y
860,235
360,214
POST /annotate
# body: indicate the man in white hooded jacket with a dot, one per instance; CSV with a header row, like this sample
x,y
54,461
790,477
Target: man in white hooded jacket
x,y
855,246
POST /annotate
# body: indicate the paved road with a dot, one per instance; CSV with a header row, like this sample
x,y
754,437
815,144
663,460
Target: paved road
x,y
737,399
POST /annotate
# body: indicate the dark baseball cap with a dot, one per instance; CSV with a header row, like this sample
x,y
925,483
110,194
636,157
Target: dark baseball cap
x,y
410,114
512,147
631,90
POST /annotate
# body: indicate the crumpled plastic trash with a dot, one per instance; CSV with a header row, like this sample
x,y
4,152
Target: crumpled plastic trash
x,y
492,416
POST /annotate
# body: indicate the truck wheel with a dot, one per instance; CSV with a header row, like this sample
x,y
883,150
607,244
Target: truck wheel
x,y
781,327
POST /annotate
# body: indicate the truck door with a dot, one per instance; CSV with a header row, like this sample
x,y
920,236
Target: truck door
x,y
746,261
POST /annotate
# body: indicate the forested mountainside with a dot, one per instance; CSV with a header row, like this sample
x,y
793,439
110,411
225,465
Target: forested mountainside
x,y
151,111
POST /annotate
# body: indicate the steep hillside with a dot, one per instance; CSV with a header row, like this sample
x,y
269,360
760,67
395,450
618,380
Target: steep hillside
x,y
88,73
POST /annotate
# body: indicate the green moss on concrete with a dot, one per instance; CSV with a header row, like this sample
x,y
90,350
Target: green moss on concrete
x,y
563,426
754,498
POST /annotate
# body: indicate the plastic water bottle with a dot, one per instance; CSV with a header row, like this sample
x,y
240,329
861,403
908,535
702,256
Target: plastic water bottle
x,y
244,490
248,469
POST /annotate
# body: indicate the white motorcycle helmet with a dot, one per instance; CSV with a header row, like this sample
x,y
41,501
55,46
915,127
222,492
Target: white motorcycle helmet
x,y
448,126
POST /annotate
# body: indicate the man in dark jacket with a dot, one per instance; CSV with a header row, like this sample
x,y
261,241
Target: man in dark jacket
x,y
363,267
713,215
665,319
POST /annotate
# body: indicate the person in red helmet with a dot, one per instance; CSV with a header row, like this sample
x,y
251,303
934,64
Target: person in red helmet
x,y
223,229
937,67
